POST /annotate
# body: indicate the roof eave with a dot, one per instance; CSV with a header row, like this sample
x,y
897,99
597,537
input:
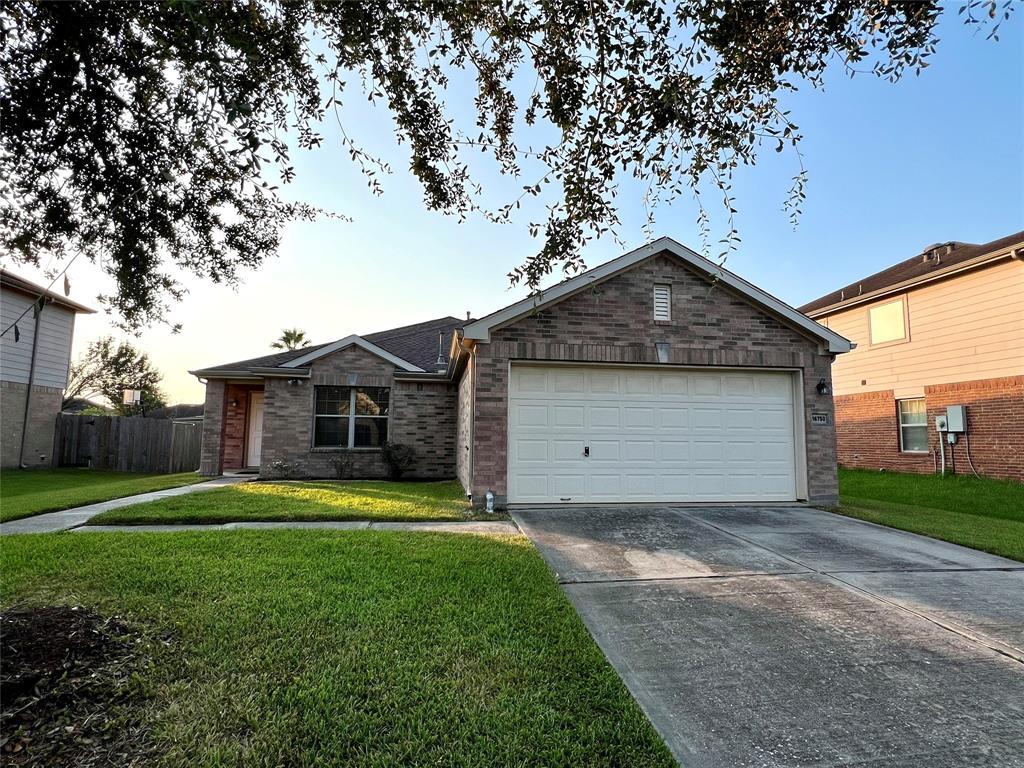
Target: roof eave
x,y
1012,252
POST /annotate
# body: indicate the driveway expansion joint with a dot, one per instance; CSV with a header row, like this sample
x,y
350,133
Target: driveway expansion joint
x,y
1009,651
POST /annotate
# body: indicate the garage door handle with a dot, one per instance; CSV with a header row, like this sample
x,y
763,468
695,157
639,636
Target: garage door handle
x,y
586,450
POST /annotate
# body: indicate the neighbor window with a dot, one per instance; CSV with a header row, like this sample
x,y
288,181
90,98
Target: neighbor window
x,y
888,322
350,417
662,302
913,425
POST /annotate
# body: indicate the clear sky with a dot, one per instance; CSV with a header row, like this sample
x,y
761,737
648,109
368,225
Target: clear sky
x,y
892,168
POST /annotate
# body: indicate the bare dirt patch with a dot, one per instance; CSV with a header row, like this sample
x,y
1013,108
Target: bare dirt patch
x,y
65,671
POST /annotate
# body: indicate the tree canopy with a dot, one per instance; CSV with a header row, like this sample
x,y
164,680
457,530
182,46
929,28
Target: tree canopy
x,y
107,368
291,338
154,136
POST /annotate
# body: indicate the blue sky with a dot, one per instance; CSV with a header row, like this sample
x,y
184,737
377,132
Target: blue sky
x,y
892,168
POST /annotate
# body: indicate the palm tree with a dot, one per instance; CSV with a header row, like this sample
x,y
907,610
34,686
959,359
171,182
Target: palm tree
x,y
291,338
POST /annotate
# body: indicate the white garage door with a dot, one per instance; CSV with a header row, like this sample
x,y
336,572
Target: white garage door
x,y
602,435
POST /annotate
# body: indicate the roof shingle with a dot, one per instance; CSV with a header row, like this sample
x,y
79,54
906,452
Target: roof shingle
x,y
416,344
912,268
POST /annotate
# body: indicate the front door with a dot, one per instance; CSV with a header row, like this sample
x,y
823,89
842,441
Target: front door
x,y
254,442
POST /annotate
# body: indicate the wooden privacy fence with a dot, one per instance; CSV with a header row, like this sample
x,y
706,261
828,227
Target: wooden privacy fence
x,y
127,443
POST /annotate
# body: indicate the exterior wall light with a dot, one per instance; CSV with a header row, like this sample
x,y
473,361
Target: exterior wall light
x,y
662,348
822,387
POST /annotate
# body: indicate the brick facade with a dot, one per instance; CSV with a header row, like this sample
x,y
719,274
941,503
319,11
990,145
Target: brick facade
x,y
422,414
612,322
213,424
867,428
42,420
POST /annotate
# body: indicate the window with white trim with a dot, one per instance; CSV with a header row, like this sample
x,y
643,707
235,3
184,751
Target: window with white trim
x,y
913,418
350,417
663,302
888,322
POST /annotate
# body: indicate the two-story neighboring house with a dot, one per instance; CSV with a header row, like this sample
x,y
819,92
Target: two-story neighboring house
x,y
943,328
35,352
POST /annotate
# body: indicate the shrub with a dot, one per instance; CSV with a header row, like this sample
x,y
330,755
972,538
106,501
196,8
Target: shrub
x,y
399,457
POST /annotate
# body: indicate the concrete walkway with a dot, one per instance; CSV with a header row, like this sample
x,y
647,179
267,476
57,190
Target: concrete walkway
x,y
50,522
793,638
484,527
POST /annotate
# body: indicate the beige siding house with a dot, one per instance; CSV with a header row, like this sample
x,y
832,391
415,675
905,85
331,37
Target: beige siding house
x,y
943,328
35,352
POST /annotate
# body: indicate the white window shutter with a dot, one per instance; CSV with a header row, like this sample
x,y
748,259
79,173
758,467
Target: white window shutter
x,y
662,302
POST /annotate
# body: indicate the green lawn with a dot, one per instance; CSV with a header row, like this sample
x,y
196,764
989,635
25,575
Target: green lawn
x,y
25,492
366,648
307,501
980,513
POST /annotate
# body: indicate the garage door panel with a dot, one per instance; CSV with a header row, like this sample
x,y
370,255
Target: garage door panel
x,y
673,418
606,487
568,383
567,450
530,450
530,415
639,384
605,416
568,415
565,485
638,450
637,418
654,435
674,451
706,419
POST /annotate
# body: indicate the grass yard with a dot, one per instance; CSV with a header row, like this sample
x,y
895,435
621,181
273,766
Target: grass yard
x,y
305,501
980,513
365,648
26,492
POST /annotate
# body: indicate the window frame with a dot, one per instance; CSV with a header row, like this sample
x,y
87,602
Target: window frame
x,y
901,426
351,416
902,301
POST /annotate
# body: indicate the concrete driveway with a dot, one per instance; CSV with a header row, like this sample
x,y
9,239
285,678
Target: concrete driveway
x,y
792,637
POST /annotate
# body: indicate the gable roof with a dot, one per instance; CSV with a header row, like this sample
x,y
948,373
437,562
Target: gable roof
x,y
418,343
937,261
349,341
411,348
480,329
21,285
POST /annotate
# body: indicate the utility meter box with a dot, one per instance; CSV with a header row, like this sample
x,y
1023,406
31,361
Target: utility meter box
x,y
940,423
956,418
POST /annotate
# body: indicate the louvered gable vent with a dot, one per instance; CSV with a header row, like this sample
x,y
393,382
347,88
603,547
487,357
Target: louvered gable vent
x,y
662,302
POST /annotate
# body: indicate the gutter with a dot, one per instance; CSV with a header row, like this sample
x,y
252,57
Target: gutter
x,y
31,379
1013,252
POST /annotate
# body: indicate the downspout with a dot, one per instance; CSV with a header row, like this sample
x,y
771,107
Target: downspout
x,y
31,379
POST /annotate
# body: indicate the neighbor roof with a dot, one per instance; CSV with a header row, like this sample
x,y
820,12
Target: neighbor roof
x,y
21,285
412,348
935,261
480,329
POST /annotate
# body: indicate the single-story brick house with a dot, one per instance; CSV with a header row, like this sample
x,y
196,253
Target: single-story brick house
x,y
656,377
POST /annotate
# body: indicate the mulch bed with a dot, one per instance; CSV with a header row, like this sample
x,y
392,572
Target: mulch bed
x,y
64,671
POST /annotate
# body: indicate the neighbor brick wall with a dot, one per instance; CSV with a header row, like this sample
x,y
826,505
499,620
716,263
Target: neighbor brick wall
x,y
213,425
42,420
868,437
613,323
421,414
